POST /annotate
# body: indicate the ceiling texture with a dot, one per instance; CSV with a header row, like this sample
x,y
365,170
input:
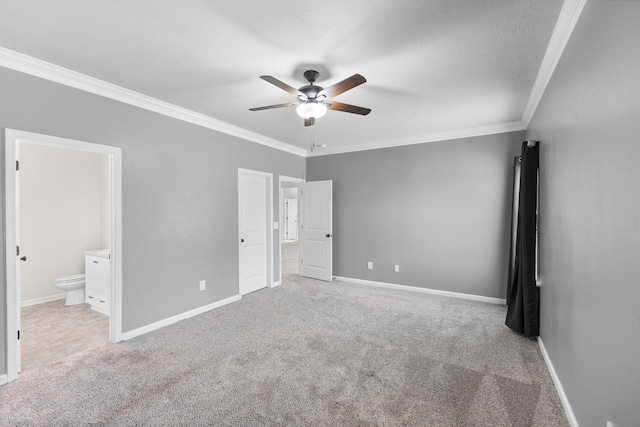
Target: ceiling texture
x,y
435,68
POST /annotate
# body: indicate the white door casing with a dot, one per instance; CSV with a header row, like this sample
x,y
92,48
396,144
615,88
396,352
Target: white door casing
x,y
253,230
18,270
315,206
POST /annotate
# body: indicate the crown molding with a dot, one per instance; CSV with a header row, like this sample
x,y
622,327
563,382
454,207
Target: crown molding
x,y
569,14
29,65
422,139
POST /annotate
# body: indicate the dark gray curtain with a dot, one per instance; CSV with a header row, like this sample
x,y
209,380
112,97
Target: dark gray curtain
x,y
523,305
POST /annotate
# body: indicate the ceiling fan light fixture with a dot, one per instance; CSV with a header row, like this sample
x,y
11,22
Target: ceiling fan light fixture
x,y
314,101
311,109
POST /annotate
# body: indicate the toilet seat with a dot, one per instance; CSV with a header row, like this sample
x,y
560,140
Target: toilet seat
x,y
70,279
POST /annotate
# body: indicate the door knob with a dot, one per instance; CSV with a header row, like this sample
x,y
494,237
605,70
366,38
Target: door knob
x,y
241,240
24,258
328,235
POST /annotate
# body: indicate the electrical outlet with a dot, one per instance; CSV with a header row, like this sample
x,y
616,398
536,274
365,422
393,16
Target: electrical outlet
x,y
203,285
396,268
610,424
370,265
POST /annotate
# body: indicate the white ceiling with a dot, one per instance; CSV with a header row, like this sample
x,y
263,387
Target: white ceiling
x,y
433,67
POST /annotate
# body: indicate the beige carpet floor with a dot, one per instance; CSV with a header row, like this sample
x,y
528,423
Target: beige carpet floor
x,y
306,353
290,258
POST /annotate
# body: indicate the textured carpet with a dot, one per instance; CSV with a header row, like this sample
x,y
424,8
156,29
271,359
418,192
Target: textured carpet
x,y
305,353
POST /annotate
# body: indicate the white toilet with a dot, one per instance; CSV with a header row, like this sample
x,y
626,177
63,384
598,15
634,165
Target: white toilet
x,y
74,285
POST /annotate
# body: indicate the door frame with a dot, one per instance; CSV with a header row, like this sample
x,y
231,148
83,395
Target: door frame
x,y
269,176
12,139
281,179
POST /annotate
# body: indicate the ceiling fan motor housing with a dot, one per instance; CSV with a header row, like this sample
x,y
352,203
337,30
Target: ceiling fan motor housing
x,y
311,75
310,91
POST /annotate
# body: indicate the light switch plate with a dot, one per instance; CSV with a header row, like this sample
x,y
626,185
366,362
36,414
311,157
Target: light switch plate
x,y
396,268
370,265
203,285
276,225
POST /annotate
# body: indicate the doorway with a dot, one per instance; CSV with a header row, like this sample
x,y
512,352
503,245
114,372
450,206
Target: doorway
x,y
313,250
288,236
291,215
290,248
107,158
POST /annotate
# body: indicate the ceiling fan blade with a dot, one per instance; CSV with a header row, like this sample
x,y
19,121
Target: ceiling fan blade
x,y
347,108
269,107
343,86
310,121
282,85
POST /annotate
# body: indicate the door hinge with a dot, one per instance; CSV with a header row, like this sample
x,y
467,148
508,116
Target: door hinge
x,y
17,165
301,261
17,250
18,334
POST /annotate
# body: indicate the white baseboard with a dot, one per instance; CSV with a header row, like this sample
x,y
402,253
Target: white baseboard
x,y
424,290
274,284
556,381
27,303
173,319
3,379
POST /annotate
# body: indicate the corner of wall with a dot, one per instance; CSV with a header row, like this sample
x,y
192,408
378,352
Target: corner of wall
x,y
556,382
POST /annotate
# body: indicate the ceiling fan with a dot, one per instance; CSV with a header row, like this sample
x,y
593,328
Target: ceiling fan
x,y
314,100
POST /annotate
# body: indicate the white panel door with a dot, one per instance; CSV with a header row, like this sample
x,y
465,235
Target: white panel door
x,y
316,228
252,220
291,217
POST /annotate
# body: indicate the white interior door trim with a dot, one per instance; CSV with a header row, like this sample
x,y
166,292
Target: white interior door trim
x,y
281,179
270,270
12,141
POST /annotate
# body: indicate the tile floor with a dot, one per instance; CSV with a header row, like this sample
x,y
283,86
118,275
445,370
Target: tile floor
x,y
52,331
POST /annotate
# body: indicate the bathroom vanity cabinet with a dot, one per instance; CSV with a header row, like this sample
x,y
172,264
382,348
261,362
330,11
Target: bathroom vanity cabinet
x,y
97,285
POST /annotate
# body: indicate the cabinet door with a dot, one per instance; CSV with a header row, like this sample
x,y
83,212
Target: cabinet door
x,y
97,274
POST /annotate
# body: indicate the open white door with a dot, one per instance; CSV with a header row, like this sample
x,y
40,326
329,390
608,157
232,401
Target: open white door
x,y
291,219
18,260
252,223
316,229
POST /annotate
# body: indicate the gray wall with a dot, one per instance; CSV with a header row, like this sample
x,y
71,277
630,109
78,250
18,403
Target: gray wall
x,y
588,126
180,203
439,210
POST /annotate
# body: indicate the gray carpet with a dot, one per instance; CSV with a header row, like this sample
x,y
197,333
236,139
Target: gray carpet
x,y
305,353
